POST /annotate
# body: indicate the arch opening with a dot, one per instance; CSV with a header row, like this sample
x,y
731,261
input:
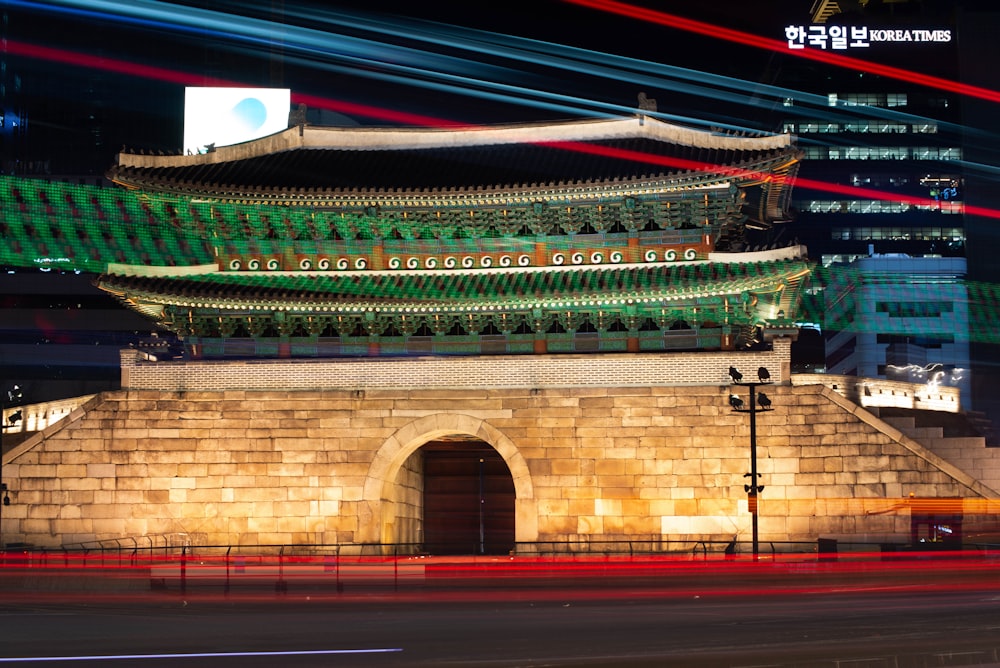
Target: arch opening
x,y
468,498
394,504
453,495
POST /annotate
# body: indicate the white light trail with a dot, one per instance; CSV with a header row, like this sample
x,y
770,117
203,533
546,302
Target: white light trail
x,y
197,655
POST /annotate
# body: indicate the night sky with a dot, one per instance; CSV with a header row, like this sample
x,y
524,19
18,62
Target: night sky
x,y
133,93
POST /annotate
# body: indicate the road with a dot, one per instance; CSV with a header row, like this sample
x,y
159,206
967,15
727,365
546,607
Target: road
x,y
735,621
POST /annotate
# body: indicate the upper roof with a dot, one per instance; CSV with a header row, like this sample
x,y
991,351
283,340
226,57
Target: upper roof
x,y
416,159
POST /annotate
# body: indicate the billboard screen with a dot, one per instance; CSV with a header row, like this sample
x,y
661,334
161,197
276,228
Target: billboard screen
x,y
224,116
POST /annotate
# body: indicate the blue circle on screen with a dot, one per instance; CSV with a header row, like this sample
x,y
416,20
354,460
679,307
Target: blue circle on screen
x,y
250,112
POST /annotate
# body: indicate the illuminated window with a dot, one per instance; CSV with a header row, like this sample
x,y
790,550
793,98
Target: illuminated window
x,y
879,180
867,99
882,153
928,309
949,234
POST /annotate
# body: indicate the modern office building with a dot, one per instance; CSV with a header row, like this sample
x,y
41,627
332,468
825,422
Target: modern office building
x,y
881,203
900,317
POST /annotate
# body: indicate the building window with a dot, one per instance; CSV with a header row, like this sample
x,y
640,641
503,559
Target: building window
x,y
949,234
927,309
882,153
867,100
866,206
879,180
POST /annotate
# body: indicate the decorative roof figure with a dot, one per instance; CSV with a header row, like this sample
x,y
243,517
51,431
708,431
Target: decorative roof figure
x,y
646,103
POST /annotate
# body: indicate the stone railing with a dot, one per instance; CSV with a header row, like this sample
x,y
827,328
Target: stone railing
x,y
881,393
36,417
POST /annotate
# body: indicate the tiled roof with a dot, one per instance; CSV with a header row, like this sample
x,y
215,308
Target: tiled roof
x,y
413,291
453,167
412,160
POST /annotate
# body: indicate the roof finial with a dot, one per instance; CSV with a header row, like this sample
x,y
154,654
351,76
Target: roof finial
x,y
645,104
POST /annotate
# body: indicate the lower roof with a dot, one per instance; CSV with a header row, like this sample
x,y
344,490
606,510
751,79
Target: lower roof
x,y
461,290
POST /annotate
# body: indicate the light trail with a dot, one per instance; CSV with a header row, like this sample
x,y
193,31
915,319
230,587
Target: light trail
x,y
368,111
186,79
260,33
453,75
195,655
823,186
739,37
603,64
455,83
310,43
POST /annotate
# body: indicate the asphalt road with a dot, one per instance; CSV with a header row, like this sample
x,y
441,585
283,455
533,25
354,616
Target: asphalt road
x,y
816,623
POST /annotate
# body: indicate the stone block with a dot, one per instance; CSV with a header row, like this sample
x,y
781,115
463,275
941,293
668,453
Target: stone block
x,y
605,507
565,467
590,525
71,471
609,467
204,495
291,508
31,471
833,464
161,470
77,483
192,470
39,511
239,481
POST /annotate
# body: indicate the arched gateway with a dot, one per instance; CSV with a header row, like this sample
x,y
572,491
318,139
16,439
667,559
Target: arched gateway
x,y
580,287
394,485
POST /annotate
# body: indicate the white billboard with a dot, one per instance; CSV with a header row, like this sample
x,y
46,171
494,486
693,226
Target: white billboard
x,y
223,116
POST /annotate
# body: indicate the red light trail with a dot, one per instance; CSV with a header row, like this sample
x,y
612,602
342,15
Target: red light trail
x,y
711,30
185,79
206,574
822,186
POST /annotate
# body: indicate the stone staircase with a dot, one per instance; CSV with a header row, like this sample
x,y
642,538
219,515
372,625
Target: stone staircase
x,y
964,440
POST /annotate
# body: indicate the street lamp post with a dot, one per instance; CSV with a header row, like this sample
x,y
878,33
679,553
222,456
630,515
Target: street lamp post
x,y
758,402
9,397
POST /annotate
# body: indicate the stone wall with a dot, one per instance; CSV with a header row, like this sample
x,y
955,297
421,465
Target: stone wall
x,y
589,464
